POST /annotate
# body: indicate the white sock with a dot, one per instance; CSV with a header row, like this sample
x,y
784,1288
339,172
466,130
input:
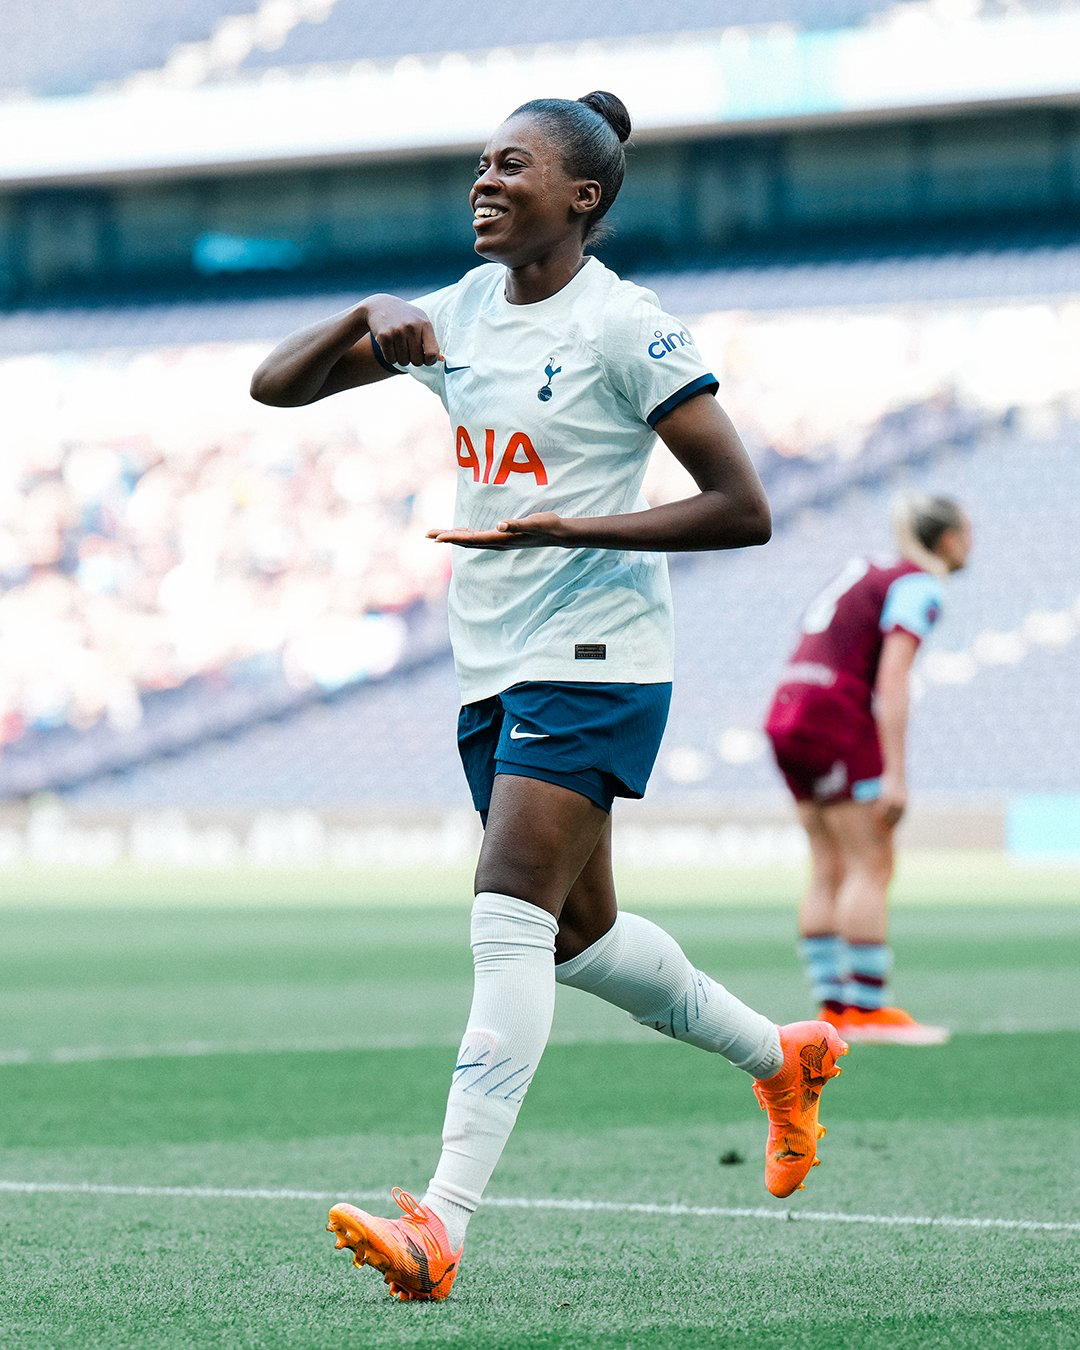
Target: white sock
x,y
513,946
639,967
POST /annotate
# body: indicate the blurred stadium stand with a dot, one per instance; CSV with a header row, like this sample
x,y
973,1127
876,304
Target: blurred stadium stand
x,y
235,730
1022,263
84,45
998,729
202,601
441,27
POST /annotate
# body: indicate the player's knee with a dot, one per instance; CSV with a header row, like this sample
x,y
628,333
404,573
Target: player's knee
x,y
590,911
874,865
525,878
827,873
571,941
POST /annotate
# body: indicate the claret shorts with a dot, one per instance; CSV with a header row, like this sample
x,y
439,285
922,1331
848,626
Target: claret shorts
x,y
826,747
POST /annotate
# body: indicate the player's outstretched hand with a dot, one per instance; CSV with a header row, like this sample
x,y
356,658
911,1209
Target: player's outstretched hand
x,y
541,529
403,332
891,804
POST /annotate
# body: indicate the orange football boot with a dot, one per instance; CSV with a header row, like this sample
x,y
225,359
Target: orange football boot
x,y
834,1016
791,1097
413,1254
890,1026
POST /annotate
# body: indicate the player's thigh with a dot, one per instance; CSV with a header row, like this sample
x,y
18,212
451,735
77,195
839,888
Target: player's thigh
x,y
864,842
590,906
538,838
825,853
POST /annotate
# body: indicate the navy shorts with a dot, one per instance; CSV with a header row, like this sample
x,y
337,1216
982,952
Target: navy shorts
x,y
600,740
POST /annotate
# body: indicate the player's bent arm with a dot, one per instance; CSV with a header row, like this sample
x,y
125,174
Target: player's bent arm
x,y
891,702
337,354
730,510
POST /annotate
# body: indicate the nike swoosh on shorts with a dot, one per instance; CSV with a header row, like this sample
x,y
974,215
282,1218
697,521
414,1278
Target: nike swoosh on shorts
x,y
516,735
451,369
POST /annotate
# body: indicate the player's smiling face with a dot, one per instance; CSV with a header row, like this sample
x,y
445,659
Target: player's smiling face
x,y
524,203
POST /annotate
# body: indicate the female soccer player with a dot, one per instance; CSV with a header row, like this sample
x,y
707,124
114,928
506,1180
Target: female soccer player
x,y
555,375
838,725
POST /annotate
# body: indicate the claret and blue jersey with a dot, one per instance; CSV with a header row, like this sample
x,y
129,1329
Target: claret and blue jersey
x,y
844,627
821,721
553,407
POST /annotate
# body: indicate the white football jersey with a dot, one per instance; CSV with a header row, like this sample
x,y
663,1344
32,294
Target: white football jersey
x,y
552,407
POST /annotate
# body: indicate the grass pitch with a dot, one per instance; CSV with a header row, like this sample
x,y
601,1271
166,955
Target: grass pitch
x,y
184,1089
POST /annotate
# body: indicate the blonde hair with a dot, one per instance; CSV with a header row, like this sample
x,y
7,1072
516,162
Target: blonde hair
x,y
919,520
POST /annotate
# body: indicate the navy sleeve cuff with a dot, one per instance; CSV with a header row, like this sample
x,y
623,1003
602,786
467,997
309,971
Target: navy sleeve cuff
x,y
382,359
704,384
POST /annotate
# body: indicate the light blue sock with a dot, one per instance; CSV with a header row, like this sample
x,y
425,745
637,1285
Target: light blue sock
x,y
867,985
825,959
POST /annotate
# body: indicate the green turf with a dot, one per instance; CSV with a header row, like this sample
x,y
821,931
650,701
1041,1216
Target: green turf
x,y
308,1049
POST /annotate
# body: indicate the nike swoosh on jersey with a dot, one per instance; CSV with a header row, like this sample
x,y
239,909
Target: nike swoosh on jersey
x,y
516,735
451,369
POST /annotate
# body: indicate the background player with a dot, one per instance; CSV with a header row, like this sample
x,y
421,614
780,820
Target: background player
x,y
838,727
556,374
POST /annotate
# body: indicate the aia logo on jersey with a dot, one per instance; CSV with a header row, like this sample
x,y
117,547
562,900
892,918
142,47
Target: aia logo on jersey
x,y
663,343
518,456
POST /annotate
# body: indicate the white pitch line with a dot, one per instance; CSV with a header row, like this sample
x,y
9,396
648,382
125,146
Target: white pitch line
x,y
569,1206
93,1054
167,1192
197,1049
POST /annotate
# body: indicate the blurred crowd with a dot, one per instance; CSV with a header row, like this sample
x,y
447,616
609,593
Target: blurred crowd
x,y
156,524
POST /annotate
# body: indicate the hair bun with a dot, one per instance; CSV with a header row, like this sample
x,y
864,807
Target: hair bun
x,y
611,109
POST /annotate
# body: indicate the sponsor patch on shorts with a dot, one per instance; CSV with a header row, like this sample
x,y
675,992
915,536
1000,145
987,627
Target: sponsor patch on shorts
x,y
590,651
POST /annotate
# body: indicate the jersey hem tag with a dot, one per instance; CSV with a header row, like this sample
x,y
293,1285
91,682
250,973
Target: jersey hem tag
x,y
590,651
